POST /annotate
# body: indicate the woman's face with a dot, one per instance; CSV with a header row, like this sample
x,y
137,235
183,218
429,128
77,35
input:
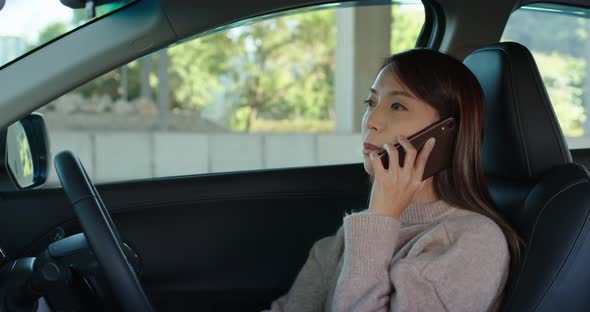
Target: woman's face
x,y
392,110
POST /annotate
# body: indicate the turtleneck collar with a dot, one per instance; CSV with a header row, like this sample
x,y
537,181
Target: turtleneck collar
x,y
425,212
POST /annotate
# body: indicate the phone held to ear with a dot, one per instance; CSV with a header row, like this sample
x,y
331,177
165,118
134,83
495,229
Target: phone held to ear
x,y
440,157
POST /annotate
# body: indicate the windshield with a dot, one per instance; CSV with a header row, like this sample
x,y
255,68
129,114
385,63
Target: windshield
x,y
26,25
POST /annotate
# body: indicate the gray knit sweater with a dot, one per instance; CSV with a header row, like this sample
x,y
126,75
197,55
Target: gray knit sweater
x,y
434,258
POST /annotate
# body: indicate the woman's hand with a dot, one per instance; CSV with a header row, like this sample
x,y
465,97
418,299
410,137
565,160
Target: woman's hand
x,y
394,188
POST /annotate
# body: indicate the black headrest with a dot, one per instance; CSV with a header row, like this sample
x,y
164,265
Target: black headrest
x,y
522,137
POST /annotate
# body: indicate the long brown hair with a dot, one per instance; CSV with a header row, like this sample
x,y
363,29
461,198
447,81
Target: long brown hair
x,y
451,88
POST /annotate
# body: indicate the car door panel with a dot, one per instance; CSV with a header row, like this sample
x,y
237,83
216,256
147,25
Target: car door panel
x,y
218,242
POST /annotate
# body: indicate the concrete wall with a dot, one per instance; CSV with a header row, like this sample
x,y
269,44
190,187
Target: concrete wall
x,y
578,142
125,155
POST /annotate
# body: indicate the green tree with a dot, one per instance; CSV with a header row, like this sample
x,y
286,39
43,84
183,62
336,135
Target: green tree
x,y
289,68
111,83
563,77
553,32
195,70
280,68
559,46
51,31
406,23
277,68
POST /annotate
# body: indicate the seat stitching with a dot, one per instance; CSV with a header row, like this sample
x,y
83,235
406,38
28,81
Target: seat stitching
x,y
517,282
568,260
514,107
546,105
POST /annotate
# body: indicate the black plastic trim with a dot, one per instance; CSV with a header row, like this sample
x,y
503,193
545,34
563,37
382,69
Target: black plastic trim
x,y
435,17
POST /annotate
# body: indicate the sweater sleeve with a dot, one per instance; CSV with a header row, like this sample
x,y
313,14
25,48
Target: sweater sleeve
x,y
466,273
309,290
461,270
369,244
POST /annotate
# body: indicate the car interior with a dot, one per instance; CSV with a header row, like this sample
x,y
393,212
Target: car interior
x,y
235,241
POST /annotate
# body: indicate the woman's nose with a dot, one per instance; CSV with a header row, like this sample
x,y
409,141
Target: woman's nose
x,y
375,120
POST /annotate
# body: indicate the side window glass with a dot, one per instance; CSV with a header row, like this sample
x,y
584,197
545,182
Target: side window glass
x,y
274,92
561,48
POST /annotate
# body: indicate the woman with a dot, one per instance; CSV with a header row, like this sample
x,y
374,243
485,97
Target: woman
x,y
432,245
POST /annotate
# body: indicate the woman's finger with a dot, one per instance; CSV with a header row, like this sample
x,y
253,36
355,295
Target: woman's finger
x,y
393,158
376,162
410,153
423,158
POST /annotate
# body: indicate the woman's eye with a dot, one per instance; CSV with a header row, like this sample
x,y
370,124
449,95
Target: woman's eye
x,y
397,106
369,102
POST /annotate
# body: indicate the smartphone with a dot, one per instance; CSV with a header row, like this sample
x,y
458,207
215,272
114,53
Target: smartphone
x,y
440,157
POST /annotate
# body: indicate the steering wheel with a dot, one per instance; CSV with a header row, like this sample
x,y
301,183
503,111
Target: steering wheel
x,y
101,234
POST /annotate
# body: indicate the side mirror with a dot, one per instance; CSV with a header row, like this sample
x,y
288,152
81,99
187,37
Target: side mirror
x,y
24,154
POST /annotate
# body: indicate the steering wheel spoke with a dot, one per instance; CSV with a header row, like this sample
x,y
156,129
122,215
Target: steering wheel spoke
x,y
101,233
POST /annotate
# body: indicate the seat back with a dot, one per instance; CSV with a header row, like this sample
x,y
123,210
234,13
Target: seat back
x,y
534,183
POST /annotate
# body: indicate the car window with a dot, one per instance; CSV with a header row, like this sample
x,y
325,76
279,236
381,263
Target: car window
x,y
272,92
561,48
26,25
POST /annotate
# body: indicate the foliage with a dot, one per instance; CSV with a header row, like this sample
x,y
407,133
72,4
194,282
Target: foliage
x,y
273,73
195,69
279,72
406,23
547,32
563,77
51,31
559,46
110,83
264,65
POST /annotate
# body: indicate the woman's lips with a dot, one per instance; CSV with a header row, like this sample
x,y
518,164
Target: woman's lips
x,y
368,148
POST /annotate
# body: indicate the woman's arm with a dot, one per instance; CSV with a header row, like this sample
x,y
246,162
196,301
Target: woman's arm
x,y
310,288
369,244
